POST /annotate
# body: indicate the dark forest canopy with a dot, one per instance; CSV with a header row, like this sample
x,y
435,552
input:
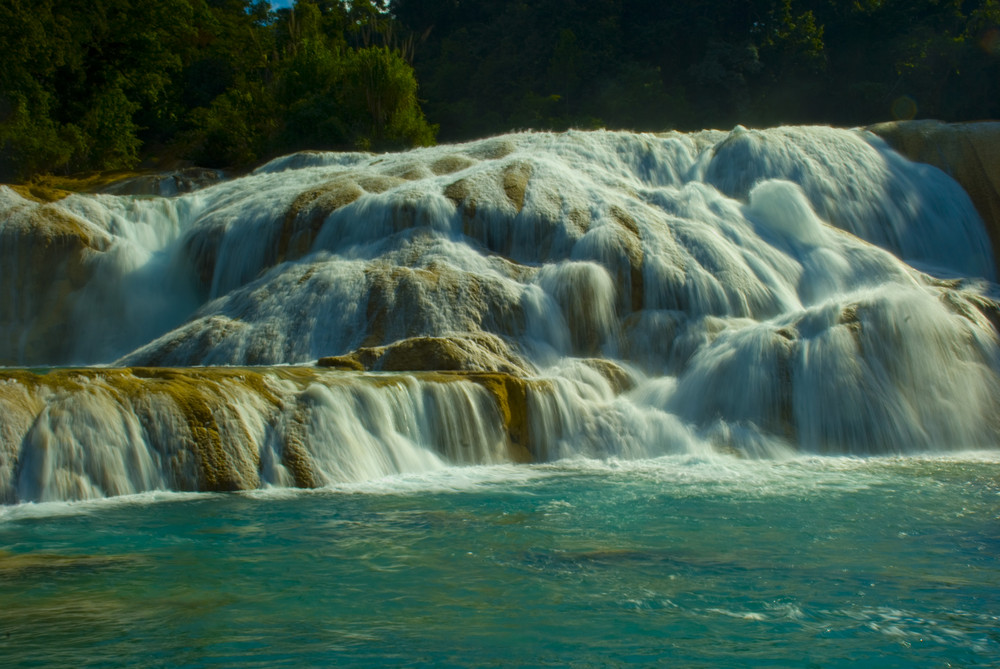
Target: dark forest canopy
x,y
101,84
654,64
95,84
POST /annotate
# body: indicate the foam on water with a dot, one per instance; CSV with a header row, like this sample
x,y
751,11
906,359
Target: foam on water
x,y
28,511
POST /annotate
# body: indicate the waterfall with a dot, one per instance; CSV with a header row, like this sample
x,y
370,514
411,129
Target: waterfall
x,y
341,317
99,432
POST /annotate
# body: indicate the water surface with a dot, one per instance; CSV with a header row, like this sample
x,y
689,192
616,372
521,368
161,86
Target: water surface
x,y
825,562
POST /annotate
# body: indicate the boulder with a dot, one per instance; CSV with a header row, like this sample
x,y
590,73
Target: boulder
x,y
467,352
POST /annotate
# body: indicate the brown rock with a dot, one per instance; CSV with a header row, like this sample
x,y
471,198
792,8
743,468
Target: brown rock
x,y
166,184
451,163
347,362
47,254
194,419
479,353
618,377
511,396
494,149
309,211
470,352
515,183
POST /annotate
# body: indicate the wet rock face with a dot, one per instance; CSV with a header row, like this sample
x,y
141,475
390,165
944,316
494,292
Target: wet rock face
x,y
167,184
48,253
967,152
546,241
308,213
85,433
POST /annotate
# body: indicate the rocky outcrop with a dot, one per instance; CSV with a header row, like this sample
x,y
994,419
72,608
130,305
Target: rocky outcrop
x,y
968,152
471,352
308,212
167,184
47,255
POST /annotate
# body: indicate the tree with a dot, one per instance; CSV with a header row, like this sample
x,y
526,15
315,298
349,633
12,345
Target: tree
x,y
380,96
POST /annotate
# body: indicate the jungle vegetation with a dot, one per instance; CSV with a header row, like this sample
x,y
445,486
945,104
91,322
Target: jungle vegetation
x,y
105,84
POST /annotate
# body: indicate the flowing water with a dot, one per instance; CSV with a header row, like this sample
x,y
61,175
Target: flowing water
x,y
704,400
824,562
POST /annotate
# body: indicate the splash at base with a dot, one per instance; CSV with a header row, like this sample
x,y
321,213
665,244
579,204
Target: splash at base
x,y
525,297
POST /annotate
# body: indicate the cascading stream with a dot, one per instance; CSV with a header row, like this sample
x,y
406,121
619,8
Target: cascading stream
x,y
534,296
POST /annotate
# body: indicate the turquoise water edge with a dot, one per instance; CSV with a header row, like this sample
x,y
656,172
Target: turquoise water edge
x,y
678,561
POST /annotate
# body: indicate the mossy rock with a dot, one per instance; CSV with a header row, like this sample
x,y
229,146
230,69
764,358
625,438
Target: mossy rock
x,y
49,188
451,163
346,362
166,183
309,211
511,396
295,456
40,193
203,397
475,352
203,443
618,377
467,353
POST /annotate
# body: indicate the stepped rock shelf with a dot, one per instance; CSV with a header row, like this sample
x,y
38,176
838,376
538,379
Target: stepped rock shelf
x,y
230,428
333,318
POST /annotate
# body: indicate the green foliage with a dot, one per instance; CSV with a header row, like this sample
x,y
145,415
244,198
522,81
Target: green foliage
x,y
76,76
491,66
30,140
308,86
110,134
235,129
380,100
93,85
319,94
83,86
795,40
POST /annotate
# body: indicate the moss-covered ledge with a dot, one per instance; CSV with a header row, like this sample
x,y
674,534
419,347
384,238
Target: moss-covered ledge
x,y
207,427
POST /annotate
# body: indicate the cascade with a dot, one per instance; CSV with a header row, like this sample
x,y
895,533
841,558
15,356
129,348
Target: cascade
x,y
338,317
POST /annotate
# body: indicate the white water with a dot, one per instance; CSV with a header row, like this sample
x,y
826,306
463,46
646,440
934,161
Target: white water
x,y
759,290
97,436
